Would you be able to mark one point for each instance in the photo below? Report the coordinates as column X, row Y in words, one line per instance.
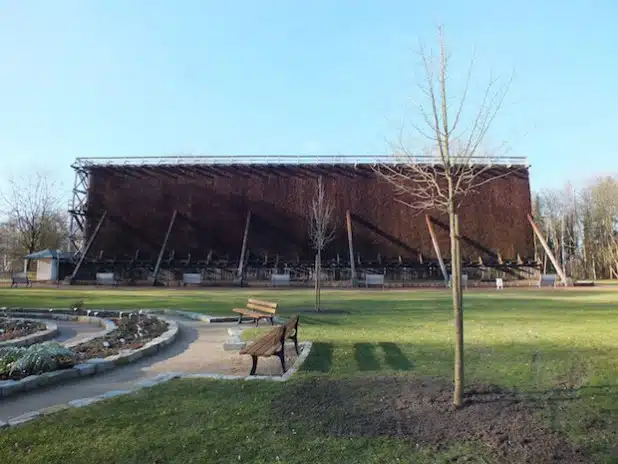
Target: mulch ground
column 503, row 422
column 12, row 328
column 132, row 333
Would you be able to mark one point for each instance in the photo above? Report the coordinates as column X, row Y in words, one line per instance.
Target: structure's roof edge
column 288, row 160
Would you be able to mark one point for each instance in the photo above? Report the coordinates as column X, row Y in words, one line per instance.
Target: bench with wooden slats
column 273, row 343
column 257, row 309
column 291, row 331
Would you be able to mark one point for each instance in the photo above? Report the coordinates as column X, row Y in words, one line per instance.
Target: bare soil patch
column 14, row 328
column 420, row 410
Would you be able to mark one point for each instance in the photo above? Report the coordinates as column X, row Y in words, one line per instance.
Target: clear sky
column 137, row 78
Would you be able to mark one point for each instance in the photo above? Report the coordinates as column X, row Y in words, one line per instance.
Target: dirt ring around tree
column 504, row 423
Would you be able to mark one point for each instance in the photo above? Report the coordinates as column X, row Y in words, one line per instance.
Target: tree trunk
column 317, row 281
column 457, row 308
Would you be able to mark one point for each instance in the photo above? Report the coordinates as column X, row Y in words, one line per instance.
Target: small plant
column 77, row 305
column 43, row 357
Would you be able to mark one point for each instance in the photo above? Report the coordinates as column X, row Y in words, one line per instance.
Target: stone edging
column 37, row 337
column 106, row 324
column 91, row 366
column 161, row 378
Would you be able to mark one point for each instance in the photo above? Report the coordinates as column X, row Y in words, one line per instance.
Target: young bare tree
column 34, row 215
column 437, row 174
column 321, row 231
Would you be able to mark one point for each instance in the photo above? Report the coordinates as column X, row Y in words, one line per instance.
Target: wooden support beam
column 88, row 246
column 436, row 247
column 500, row 260
column 548, row 252
column 160, row 258
column 348, row 221
column 241, row 262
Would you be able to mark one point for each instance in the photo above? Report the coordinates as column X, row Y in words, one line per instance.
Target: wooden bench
column 20, row 278
column 374, row 279
column 257, row 309
column 106, row 278
column 191, row 278
column 547, row 280
column 280, row 279
column 273, row 343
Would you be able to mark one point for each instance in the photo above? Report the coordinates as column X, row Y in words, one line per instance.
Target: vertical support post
column 436, row 247
column 160, row 258
column 548, row 252
column 348, row 221
column 241, row 262
column 88, row 246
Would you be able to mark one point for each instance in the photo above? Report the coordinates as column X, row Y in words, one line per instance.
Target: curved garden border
column 37, row 337
column 91, row 366
column 161, row 378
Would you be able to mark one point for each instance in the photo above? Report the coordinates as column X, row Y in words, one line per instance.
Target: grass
column 531, row 340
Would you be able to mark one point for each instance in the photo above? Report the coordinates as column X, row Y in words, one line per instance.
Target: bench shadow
column 365, row 356
column 320, row 359
column 394, row 357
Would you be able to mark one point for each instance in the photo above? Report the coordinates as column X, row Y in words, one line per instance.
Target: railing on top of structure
column 86, row 162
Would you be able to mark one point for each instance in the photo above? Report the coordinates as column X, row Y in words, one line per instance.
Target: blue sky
column 137, row 78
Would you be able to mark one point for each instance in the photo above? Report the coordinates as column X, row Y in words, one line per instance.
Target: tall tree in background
column 438, row 173
column 35, row 219
column 321, row 231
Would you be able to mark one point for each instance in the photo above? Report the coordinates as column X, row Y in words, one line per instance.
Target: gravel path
column 198, row 349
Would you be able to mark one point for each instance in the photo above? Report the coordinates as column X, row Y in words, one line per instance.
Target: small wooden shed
column 48, row 263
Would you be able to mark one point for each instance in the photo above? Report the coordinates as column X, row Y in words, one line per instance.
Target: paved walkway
column 198, row 348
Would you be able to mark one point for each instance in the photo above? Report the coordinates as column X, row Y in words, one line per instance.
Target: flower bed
column 16, row 328
column 131, row 333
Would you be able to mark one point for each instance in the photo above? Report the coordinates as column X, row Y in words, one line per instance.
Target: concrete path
column 198, row 348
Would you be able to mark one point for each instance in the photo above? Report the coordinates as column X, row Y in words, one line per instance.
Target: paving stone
column 24, row 418
column 85, row 401
column 85, row 369
column 31, row 382
column 53, row 409
column 234, row 346
column 114, row 393
column 59, row 376
column 205, row 375
column 101, row 365
column 10, row 387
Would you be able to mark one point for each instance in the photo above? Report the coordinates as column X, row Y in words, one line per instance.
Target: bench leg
column 272, row 320
column 281, row 355
column 295, row 340
column 239, row 319
column 254, row 367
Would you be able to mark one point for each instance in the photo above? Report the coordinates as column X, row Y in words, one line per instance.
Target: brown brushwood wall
column 212, row 204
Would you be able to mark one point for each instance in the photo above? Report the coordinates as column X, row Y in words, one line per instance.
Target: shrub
column 42, row 357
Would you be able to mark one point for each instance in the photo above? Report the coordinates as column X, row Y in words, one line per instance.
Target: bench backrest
column 265, row 344
column 20, row 277
column 282, row 279
column 548, row 280
column 105, row 277
column 264, row 306
column 191, row 278
column 374, row 279
column 291, row 326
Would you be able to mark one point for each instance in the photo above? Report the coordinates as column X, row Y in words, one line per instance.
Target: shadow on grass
column 365, row 356
column 321, row 358
column 394, row 357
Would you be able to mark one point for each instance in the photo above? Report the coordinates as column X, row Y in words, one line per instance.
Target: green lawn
column 530, row 340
